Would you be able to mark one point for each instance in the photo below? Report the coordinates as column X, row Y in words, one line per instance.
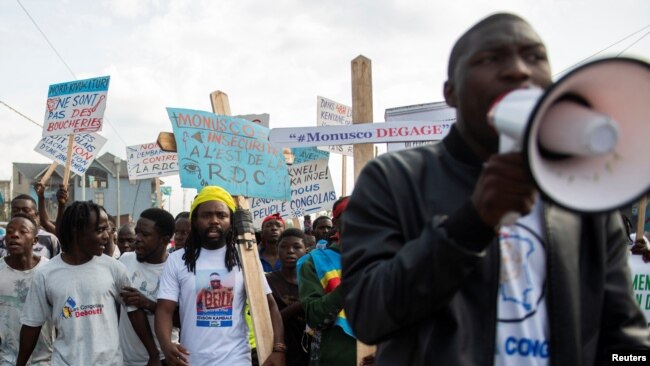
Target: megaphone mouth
column 614, row 172
column 555, row 155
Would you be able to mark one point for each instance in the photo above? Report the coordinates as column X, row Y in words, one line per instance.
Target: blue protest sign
column 229, row 152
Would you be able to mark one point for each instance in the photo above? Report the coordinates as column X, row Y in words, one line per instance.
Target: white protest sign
column 149, row 161
column 261, row 119
column 438, row 112
column 76, row 106
column 331, row 113
column 640, row 283
column 359, row 134
column 84, row 150
column 312, row 191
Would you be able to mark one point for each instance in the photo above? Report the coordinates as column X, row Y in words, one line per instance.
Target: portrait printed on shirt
column 214, row 298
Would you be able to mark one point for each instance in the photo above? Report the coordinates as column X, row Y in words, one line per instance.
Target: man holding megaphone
column 432, row 275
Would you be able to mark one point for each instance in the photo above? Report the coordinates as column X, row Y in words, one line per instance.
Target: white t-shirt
column 145, row 277
column 213, row 327
column 80, row 300
column 522, row 320
column 14, row 285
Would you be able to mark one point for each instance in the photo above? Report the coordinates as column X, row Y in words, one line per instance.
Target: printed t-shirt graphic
column 522, row 328
column 214, row 299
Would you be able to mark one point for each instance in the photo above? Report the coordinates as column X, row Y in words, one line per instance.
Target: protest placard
column 432, row 112
column 331, row 113
column 312, row 189
column 149, row 161
column 76, row 106
column 262, row 119
column 640, row 283
column 84, row 150
column 359, row 133
column 229, row 152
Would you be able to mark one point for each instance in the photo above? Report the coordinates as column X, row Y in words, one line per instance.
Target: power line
column 66, row 65
column 608, row 47
column 20, row 114
column 47, row 40
column 633, row 43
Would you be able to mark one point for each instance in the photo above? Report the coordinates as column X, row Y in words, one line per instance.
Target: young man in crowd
column 144, row 266
column 431, row 275
column 214, row 332
column 77, row 291
column 284, row 284
column 319, row 274
column 16, row 272
column 182, row 230
column 126, row 237
column 321, row 228
column 272, row 227
column 111, row 248
column 48, row 244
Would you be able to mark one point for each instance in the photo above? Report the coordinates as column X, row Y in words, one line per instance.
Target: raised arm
column 44, row 218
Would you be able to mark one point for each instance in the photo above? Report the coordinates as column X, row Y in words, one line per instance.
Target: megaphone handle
column 510, row 218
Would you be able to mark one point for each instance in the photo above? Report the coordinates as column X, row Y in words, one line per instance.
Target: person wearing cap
column 206, row 281
column 319, row 277
column 272, row 228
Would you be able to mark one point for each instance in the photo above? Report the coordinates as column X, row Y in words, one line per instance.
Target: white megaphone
column 586, row 138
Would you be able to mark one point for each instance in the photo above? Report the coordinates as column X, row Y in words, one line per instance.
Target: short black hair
column 319, row 219
column 292, row 231
column 28, row 218
column 163, row 220
column 24, row 197
column 460, row 47
column 182, row 215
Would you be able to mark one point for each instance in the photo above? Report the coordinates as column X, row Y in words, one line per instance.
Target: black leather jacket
column 426, row 299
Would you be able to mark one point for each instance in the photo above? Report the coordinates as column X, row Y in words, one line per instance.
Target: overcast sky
column 269, row 56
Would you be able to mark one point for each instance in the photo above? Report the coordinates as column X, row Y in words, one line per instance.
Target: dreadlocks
column 76, row 218
column 193, row 245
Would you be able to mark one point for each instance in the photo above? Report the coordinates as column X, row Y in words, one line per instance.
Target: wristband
column 280, row 347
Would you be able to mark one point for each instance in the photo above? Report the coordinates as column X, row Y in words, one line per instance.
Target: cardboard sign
column 331, row 113
column 76, row 106
column 229, row 152
column 438, row 112
column 149, row 161
column 640, row 272
column 312, row 191
column 359, row 134
column 84, row 150
column 261, row 119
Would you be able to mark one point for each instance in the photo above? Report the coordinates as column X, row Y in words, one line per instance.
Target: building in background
column 5, row 200
column 100, row 184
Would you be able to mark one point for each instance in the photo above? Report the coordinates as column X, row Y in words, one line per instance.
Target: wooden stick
column 167, row 141
column 158, row 193
column 251, row 264
column 640, row 222
column 48, row 173
column 361, row 107
column 68, row 160
column 344, row 171
column 362, row 113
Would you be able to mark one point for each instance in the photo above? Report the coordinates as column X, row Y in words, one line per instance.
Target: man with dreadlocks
column 78, row 291
column 206, row 281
